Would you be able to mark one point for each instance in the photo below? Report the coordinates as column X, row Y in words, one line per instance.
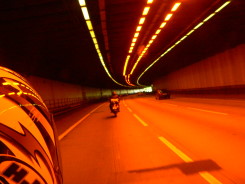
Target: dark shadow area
column 186, row 168
column 110, row 117
column 3, row 181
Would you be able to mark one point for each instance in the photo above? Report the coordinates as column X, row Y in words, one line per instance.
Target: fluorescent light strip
column 85, row 13
column 224, row 5
column 92, row 34
column 168, row 16
column 188, row 34
column 146, row 10
column 89, row 24
column 175, row 7
column 126, row 64
column 158, row 31
column 149, row 1
column 162, row 25
column 138, row 28
column 82, row 3
column 137, row 33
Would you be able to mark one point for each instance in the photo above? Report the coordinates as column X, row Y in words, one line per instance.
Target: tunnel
column 178, row 68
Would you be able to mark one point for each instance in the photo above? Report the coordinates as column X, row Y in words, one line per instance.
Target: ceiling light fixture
column 142, row 20
column 163, row 24
column 134, row 40
column 158, row 31
column 149, row 1
column 175, row 7
column 89, row 24
column 93, row 36
column 184, row 37
column 168, row 17
column 125, row 66
column 82, row 3
column 146, row 10
column 85, row 13
column 154, row 37
column 137, row 33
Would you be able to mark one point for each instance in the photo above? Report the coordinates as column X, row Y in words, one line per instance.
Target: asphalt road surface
column 173, row 141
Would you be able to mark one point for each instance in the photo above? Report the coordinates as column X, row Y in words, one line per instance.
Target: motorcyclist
column 114, row 96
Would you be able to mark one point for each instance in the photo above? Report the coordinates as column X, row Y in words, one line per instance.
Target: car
column 162, row 94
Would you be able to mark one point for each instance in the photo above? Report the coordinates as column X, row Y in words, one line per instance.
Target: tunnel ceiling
column 51, row 39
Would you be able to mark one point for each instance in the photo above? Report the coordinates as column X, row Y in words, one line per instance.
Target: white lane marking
column 176, row 150
column 130, row 110
column 204, row 110
column 209, row 178
column 140, row 120
column 77, row 123
column 205, row 175
column 137, row 117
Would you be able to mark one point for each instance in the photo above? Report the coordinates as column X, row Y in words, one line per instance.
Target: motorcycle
column 114, row 104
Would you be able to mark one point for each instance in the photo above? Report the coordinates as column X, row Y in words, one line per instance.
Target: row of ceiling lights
column 184, row 37
column 137, row 33
column 154, row 36
column 92, row 34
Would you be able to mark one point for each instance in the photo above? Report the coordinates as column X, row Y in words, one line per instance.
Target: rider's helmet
column 28, row 141
column 114, row 93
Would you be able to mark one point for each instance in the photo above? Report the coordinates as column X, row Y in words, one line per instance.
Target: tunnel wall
column 59, row 96
column 223, row 73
